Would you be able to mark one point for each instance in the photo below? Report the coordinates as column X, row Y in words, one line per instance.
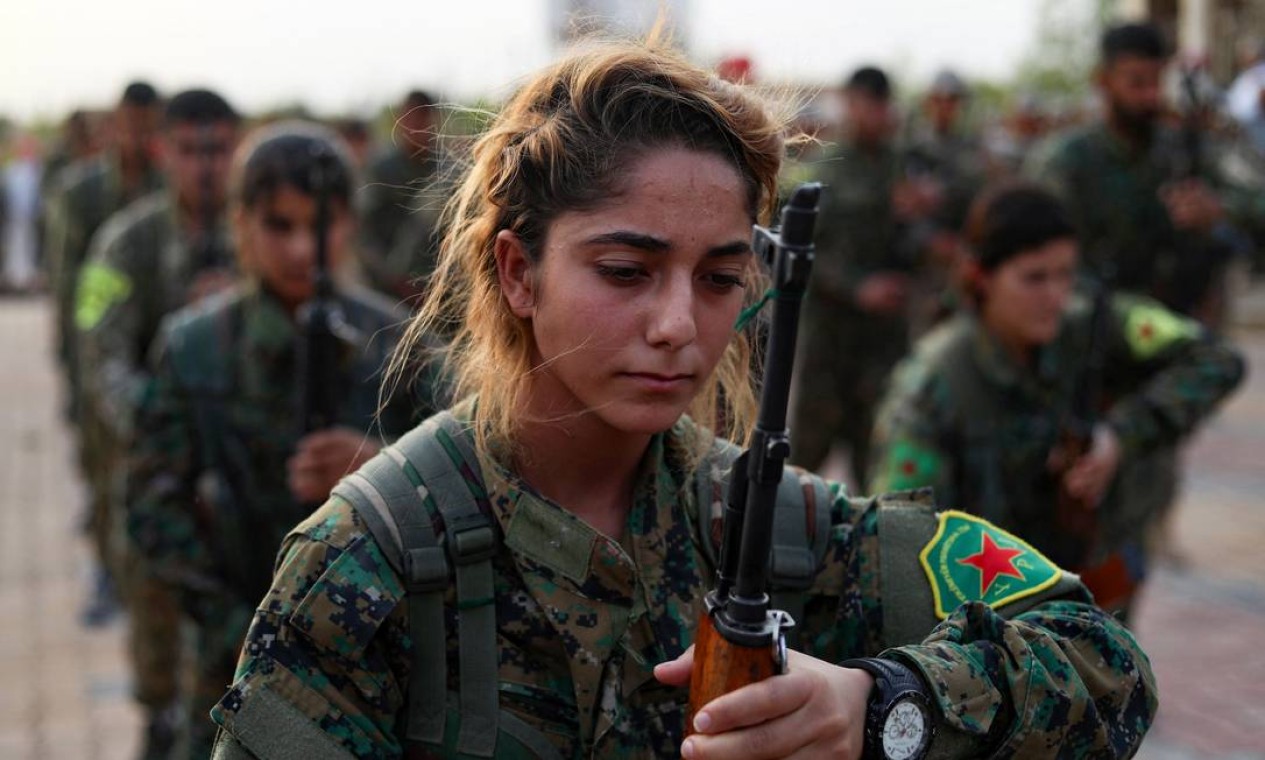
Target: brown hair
column 560, row 145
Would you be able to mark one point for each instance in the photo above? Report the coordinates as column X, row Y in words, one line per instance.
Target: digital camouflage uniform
column 1112, row 191
column 140, row 268
column 208, row 499
column 83, row 197
column 399, row 209
column 964, row 418
column 957, row 163
column 581, row 620
column 845, row 353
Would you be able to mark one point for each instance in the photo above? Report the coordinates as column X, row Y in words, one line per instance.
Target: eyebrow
column 652, row 244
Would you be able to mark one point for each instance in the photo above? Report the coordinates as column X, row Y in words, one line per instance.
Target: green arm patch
column 909, row 465
column 970, row 559
column 1149, row 329
column 100, row 287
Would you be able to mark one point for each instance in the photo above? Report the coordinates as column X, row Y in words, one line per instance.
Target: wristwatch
column 898, row 720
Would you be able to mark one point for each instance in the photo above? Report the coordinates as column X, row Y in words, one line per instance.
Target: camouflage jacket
column 207, row 501
column 963, row 417
column 140, row 268
column 1113, row 193
column 81, row 198
column 399, row 212
column 582, row 619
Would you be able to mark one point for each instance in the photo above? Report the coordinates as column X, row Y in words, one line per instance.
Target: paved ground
column 64, row 690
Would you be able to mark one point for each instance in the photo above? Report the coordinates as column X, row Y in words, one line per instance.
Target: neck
column 1020, row 351
column 1136, row 135
column 575, row 459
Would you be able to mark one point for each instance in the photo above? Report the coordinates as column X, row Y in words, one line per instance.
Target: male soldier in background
column 162, row 252
column 940, row 153
column 855, row 324
column 1147, row 220
column 81, row 198
column 397, row 215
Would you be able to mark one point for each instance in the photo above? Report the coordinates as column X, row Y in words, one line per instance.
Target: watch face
column 905, row 732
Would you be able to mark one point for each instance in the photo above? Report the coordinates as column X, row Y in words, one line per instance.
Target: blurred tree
column 1063, row 56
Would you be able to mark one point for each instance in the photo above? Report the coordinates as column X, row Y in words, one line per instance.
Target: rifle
column 1198, row 256
column 321, row 317
column 741, row 639
column 1075, row 517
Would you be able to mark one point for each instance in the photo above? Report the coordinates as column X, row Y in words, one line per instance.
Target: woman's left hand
column 815, row 710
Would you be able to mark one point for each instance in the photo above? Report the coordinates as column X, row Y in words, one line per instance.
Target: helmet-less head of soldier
column 200, row 131
column 598, row 252
column 1129, row 78
column 867, row 103
column 1023, row 265
column 134, row 123
column 277, row 180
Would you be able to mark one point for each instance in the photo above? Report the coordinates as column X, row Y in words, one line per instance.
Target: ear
column 974, row 280
column 514, row 271
column 1100, row 76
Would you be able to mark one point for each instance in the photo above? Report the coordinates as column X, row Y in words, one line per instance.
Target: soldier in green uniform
column 222, row 468
column 940, row 151
column 855, row 322
column 1148, row 217
column 978, row 411
column 504, row 579
column 398, row 209
column 163, row 251
column 81, row 198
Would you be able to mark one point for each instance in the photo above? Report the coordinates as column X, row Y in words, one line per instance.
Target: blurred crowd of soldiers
column 1164, row 189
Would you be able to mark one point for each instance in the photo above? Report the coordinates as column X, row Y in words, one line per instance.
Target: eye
column 724, row 281
column 623, row 275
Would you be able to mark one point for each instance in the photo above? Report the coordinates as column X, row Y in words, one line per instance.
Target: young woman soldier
column 982, row 408
column 223, row 466
column 599, row 252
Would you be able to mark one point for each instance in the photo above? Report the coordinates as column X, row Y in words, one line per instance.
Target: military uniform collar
column 999, row 366
column 269, row 326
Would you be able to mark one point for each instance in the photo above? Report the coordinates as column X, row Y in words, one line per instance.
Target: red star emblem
column 992, row 561
column 908, row 467
column 1146, row 331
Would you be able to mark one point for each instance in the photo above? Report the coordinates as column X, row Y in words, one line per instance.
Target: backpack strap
column 394, row 512
column 906, row 523
column 444, row 460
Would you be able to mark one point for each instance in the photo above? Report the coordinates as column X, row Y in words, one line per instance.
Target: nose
column 671, row 320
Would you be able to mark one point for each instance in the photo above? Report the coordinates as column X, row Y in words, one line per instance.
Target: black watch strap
column 890, row 677
column 892, row 681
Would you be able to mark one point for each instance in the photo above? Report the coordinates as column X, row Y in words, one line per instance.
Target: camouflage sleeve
column 162, row 468
column 1188, row 372
column 322, row 667
column 108, row 317
column 1021, row 664
column 908, row 448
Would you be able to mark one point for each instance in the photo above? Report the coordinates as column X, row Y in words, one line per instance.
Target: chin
column 641, row 418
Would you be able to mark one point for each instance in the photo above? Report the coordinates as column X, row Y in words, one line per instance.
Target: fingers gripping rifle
column 741, row 639
column 321, row 318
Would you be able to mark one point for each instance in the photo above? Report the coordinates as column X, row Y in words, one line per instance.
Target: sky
column 342, row 57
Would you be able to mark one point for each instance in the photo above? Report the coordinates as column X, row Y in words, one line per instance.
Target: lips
column 657, row 381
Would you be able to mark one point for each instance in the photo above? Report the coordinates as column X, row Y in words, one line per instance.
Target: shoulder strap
column 394, row 512
column 450, row 471
column 906, row 523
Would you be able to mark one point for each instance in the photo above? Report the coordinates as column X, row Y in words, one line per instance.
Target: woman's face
column 1024, row 297
column 278, row 242
column 632, row 304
